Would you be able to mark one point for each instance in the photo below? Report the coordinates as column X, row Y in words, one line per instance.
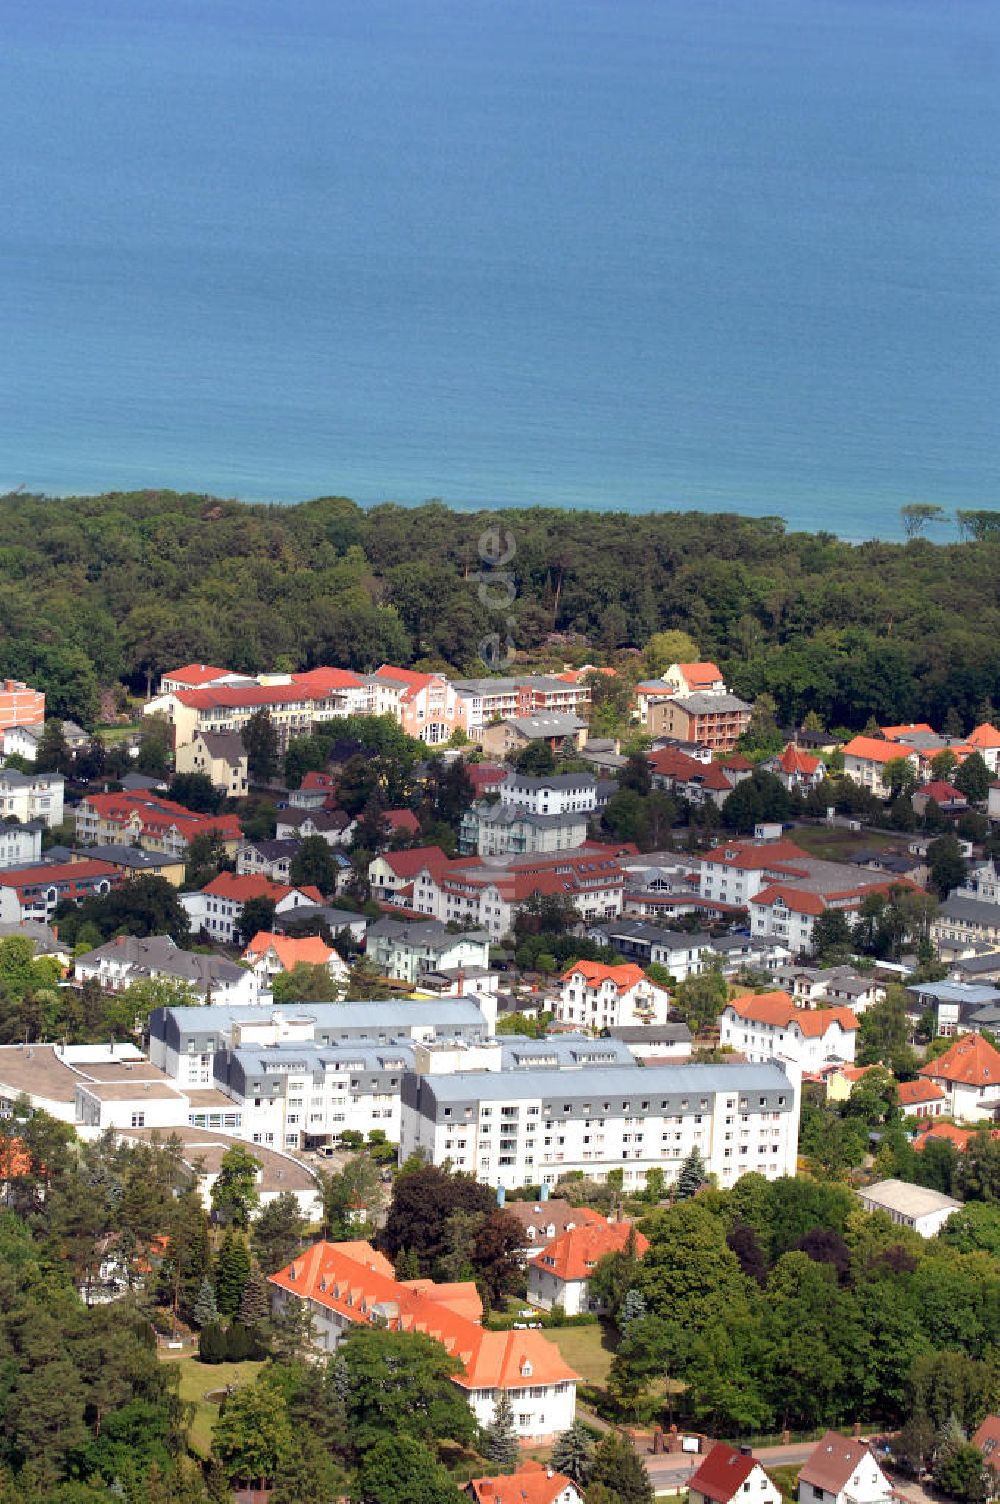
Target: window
column 138, row 1120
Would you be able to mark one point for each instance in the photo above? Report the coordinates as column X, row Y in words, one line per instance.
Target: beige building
column 707, row 719
column 221, row 756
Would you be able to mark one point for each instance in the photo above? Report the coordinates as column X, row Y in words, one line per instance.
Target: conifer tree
column 255, row 1305
column 232, row 1268
column 573, row 1454
column 500, row 1444
column 691, row 1177
column 205, row 1308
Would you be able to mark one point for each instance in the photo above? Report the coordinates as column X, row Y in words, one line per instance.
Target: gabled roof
column 737, row 763
column 913, row 728
column 796, row 899
column 942, row 793
column 309, row 951
column 401, row 819
column 55, row 872
column 697, row 675
column 833, row 1463
column 241, row 889
column 722, row 1473
column 533, row 1483
column 778, row 1010
column 984, row 736
column 314, row 780
column 915, row 1093
column 555, row 1213
column 574, row 1254
column 987, row 1439
column 595, row 974
column 407, row 864
column 971, row 1061
column 196, row 674
column 873, row 749
column 794, row 760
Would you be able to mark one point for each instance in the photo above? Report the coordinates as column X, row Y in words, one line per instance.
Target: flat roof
column 131, row 1091
column 280, row 1173
column 906, row 1199
column 648, row 1080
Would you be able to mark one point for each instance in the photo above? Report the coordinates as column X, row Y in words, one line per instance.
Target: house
column 334, row 825
column 908, row 1205
column 31, row 796
column 314, row 792
column 681, row 952
column 127, row 959
column 392, row 873
column 697, row 779
column 956, row 1004
column 427, row 706
column 492, row 829
column 797, row 770
column 532, row 1483
column 34, row 893
column 20, row 844
column 843, row 1470
column 218, row 908
column 647, row 693
column 768, row 1025
column 947, row 1133
column 986, row 741
column 268, row 955
column 655, row 1042
column 21, row 741
column 922, row 1099
column 559, row 1275
column 866, row 758
column 961, row 921
column 944, row 795
column 130, row 861
column 695, row 678
column 987, row 1439
column 271, row 859
column 543, row 1221
column 551, row 793
column 727, row 1474
column 219, row 756
column 408, row 949
column 705, row 719
column 561, row 734
column 969, row 1072
column 596, row 996
column 401, row 822
column 349, row 1283
column 155, row 824
column 20, row 705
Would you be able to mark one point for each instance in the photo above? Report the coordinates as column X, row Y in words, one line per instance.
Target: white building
column 969, row 1073
column 20, row 844
column 595, row 996
column 683, row 954
column 493, row 829
column 769, row 1026
column 127, row 959
column 550, row 794
column 843, row 1470
column 727, row 1474
column 908, row 1205
column 408, row 949
column 218, row 908
column 32, row 796
column 560, row 1274
column 534, row 1127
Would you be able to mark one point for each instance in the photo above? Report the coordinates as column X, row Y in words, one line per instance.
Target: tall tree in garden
column 205, row 1309
column 379, row 1366
column 252, row 1437
column 972, row 778
column 573, row 1454
column 232, row 1269
column 947, row 865
column 255, row 1304
column 257, row 914
column 234, row 1191
column 399, row 1470
column 500, row 1445
column 279, row 1233
column 617, row 1468
column 692, row 1176
column 497, row 1257
column 260, row 740
column 313, row 865
column 53, row 755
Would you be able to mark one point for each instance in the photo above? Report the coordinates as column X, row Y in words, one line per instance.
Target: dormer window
column 526, row 1369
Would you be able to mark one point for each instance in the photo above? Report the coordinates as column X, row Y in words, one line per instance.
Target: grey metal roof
column 517, row 814
column 225, row 744
column 650, row 1080
column 955, row 992
column 909, row 1200
column 272, row 850
column 431, row 934
column 563, row 1051
column 535, row 783
column 159, row 953
column 374, row 1015
column 259, row 1058
column 653, row 1033
column 973, row 910
column 533, row 726
column 16, row 780
column 710, row 704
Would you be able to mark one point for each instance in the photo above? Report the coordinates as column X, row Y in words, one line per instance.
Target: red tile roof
column 409, row 863
column 778, row 1010
column 697, row 675
column 737, row 763
column 796, row 899
column 574, row 1254
column 722, row 1473
column 157, row 815
column 971, row 1061
column 311, row 950
column 987, row 1439
column 56, row 872
column 352, row 1279
column 533, row 1483
column 319, row 781
column 240, row 889
column 943, row 1133
column 942, row 793
column 194, row 674
column 325, row 679
column 402, row 819
column 751, row 856
column 595, row 974
column 915, row 1093
column 235, row 697
column 984, row 736
column 793, row 760
column 833, row 1463
column 872, row 749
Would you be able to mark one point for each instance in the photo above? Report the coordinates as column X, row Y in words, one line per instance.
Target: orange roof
column 871, row 749
column 941, row 793
column 401, row 819
column 595, row 974
column 794, row 761
column 971, row 1061
column 854, row 1073
column 796, row 899
column 324, row 679
column 309, row 951
column 358, row 1283
column 319, row 781
column 56, row 872
column 777, row 1009
column 987, row 1439
column 737, row 763
column 413, row 681
column 240, row 889
column 915, row 728
column 533, row 1483
column 944, row 1133
column 700, row 673
column 193, row 674
column 409, row 863
column 750, row 856
column 913, row 1093
column 574, row 1254
column 984, row 736
column 157, row 815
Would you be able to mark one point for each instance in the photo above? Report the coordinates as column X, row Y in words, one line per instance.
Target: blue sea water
column 628, row 253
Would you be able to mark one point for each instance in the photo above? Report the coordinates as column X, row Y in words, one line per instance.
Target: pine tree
column 232, row 1269
column 255, row 1305
column 205, row 1308
column 691, row 1177
column 500, row 1444
column 633, row 1306
column 617, row 1467
column 213, row 1345
column 573, row 1454
column 407, row 1264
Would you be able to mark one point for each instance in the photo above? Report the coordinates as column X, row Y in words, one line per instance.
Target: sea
column 622, row 254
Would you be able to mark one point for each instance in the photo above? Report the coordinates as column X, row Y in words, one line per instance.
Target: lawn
column 787, row 1479
column 197, row 1377
column 587, row 1349
column 833, row 844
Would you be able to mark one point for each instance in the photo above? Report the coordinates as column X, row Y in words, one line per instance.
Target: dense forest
column 97, row 590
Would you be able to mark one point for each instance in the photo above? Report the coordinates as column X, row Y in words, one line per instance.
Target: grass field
column 197, row 1377
column 787, row 1479
column 832, row 844
column 587, row 1350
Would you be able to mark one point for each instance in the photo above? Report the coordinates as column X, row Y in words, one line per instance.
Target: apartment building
column 20, row 844
column 491, row 829
column 426, row 706
column 219, row 756
column 767, row 1026
column 533, row 1127
column 682, row 953
column 32, row 796
column 409, row 949
column 552, row 794
column 128, row 958
column 595, row 996
column 295, row 703
column 20, row 705
column 489, row 700
column 34, row 893
column 706, row 719
column 146, row 820
column 218, row 908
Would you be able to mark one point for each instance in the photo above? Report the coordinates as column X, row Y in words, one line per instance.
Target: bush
column 213, row 1343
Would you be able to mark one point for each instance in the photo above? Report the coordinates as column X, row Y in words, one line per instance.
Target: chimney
column 745, row 1451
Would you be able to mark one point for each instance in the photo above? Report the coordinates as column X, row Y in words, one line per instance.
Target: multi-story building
column 127, row 959
column 32, row 796
column 34, row 893
column 295, row 703
column 560, row 1274
column 426, row 706
column 20, row 844
column 866, row 759
column 767, row 1026
column 20, row 705
column 843, row 1470
column 408, row 949
column 708, row 719
column 969, row 1072
column 695, row 678
column 269, row 955
column 681, row 952
column 595, row 996
column 220, row 756
column 270, row 859
column 561, row 732
column 551, row 794
column 491, row 829
column 146, row 820
column 533, row 1127
column 347, row 1283
column 489, row 700
column 218, row 908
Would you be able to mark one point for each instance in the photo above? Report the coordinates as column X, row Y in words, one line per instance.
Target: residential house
column 695, row 678
column 649, row 692
column 560, row 733
column 961, row 921
column 655, row 1042
column 730, row 1475
column 34, row 893
column 316, row 791
column 930, row 1132
column 198, row 676
column 680, row 951
column 348, row 1283
column 560, row 1275
column 955, row 1004
column 400, row 822
column 908, row 1205
column 31, row 796
column 544, row 1220
column 20, row 844
column 551, row 793
column 986, row 741
column 218, row 908
column 987, row 1438
column 128, row 958
column 219, row 756
column 596, row 996
column 768, row 1026
column 271, row 859
column 334, row 825
column 797, row 770
column 866, row 758
column 970, row 1074
column 409, row 949
column 269, row 955
column 21, row 741
column 706, row 719
column 922, row 1099
column 531, row 1483
column 151, row 822
column 947, row 798
column 843, row 1470
column 130, row 861
column 492, row 829
column 697, row 779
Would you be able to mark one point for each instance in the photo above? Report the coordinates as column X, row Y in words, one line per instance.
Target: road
column 673, row 1469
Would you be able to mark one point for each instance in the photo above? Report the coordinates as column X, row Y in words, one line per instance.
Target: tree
column 617, row 1468
column 377, row 1366
column 306, row 1475
column 534, row 759
column 313, row 865
column 143, row 905
column 279, row 1233
column 500, row 1445
column 399, row 1470
column 260, row 741
column 53, row 755
column 355, row 1186
column 700, row 999
column 884, row 1034
column 636, row 774
column 960, row 1472
column 196, row 791
column 918, row 516
column 422, row 1201
column 972, row 778
column 256, row 915
column 692, row 1176
column 573, row 1454
column 666, row 648
column 232, row 1269
column 234, row 1191
column 213, row 1346
column 943, row 764
column 760, row 798
column 205, row 1309
column 899, row 776
column 307, row 982
column 255, row 1304
column 252, row 1437
column 206, row 858
column 979, row 1168
column 496, row 1255
column 946, row 864
column 831, row 936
